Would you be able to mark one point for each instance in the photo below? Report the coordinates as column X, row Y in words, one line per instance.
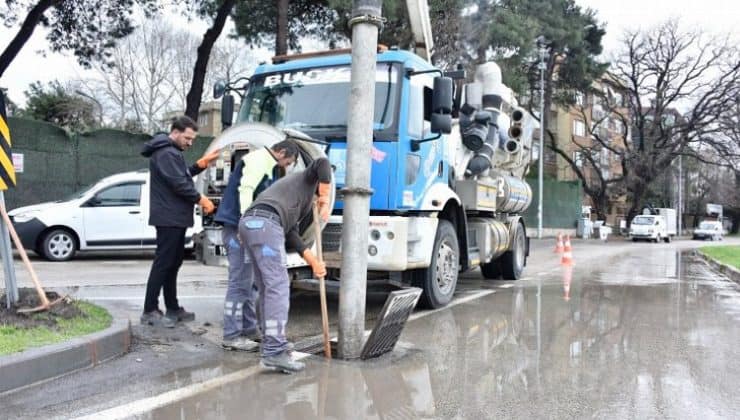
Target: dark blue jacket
column 228, row 212
column 171, row 189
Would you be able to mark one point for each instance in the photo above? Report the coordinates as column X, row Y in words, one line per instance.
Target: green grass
column 13, row 339
column 729, row 255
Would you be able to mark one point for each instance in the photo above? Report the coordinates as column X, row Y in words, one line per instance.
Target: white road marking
column 106, row 298
column 456, row 302
column 506, row 286
column 146, row 405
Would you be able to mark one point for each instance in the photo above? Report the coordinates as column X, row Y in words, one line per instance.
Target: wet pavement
column 650, row 335
column 646, row 332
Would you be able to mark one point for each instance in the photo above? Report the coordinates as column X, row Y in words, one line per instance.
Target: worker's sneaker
column 240, row 343
column 153, row 318
column 180, row 314
column 282, row 363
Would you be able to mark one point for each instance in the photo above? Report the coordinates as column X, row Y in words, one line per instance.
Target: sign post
column 7, row 180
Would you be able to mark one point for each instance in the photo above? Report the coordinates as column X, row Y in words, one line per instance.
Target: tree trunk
column 281, row 35
column 29, row 24
column 201, row 63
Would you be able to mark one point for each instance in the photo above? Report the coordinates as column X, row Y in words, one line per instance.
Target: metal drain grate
column 390, row 322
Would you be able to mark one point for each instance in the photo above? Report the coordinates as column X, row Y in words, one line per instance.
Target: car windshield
column 643, row 220
column 316, row 99
column 707, row 225
column 77, row 194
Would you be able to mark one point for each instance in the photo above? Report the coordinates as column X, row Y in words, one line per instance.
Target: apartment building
column 586, row 131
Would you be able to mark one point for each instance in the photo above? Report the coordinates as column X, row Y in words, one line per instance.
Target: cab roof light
column 278, row 59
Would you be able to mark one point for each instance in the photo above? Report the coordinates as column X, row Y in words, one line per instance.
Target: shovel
column 45, row 304
column 322, row 284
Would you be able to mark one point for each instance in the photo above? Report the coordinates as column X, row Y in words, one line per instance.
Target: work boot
column 240, row 343
column 180, row 314
column 282, row 362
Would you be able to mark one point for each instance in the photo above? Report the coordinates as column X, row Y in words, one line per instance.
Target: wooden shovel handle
column 322, row 284
column 24, row 257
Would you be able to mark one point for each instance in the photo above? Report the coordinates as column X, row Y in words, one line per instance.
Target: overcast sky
column 721, row 16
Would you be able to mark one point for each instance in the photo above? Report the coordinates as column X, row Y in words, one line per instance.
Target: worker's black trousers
column 167, row 262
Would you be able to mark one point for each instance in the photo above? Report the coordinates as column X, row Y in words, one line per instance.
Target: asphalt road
column 631, row 331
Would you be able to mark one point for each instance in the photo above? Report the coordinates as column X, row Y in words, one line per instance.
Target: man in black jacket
column 267, row 228
column 172, row 195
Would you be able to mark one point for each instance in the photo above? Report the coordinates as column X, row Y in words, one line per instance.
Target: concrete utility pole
column 365, row 23
column 541, row 164
column 680, row 195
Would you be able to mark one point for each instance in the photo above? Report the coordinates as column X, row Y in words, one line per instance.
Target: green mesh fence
column 57, row 163
column 561, row 204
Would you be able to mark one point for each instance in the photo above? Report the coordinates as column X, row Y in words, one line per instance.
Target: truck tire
column 58, row 245
column 492, row 269
column 439, row 280
column 513, row 262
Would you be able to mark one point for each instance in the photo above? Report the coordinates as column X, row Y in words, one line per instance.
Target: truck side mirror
column 219, row 88
column 441, row 118
column 441, row 123
column 227, row 110
column 442, row 96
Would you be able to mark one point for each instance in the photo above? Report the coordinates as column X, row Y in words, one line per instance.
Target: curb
column 731, row 272
column 49, row 362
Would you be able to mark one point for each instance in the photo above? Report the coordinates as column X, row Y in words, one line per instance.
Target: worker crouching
column 270, row 225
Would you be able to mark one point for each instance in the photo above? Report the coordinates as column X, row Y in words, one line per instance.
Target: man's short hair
column 182, row 123
column 289, row 147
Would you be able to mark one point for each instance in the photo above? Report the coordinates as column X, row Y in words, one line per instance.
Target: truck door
column 113, row 216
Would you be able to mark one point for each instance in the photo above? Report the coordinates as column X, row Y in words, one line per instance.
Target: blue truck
column 447, row 168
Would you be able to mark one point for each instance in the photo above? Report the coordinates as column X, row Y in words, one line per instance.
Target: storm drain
column 390, row 323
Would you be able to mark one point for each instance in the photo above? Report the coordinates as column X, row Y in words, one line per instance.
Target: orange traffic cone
column 567, row 276
column 567, row 258
column 559, row 244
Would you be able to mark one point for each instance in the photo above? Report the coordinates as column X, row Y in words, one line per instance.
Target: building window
column 578, row 159
column 202, row 120
column 579, row 128
column 580, row 98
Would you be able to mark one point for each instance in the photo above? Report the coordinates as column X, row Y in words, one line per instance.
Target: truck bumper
column 394, row 243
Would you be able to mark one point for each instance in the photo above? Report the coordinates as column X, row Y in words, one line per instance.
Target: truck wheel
column 58, row 245
column 438, row 282
column 513, row 262
column 667, row 239
column 491, row 270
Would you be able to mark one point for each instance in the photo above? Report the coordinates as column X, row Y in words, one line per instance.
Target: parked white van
column 112, row 214
column 649, row 227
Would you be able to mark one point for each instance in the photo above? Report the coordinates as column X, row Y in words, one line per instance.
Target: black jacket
column 172, row 192
column 292, row 198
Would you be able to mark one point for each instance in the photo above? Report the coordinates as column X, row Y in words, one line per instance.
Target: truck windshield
column 316, row 99
column 640, row 220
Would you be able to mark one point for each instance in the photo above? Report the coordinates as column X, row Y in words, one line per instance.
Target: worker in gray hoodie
column 268, row 227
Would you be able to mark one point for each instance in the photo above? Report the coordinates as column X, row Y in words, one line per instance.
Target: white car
column 709, row 229
column 112, row 214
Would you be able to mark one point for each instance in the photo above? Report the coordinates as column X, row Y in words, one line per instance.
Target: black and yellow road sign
column 7, row 171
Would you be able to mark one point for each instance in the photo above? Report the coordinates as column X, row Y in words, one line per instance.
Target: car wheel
column 59, row 245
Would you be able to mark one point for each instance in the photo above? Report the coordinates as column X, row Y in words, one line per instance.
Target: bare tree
column 664, row 70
